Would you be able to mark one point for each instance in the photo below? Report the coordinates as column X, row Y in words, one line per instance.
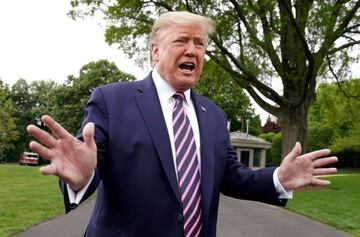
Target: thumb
column 48, row 170
column 88, row 134
column 296, row 151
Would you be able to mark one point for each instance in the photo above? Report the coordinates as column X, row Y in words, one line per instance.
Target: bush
column 273, row 155
column 348, row 159
column 319, row 137
column 347, row 149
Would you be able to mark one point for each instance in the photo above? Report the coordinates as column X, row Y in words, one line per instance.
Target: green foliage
column 8, row 132
column 347, row 148
column 334, row 121
column 319, row 137
column 71, row 97
column 273, row 155
column 217, row 85
column 31, row 101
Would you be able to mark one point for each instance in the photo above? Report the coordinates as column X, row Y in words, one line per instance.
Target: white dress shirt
column 165, row 93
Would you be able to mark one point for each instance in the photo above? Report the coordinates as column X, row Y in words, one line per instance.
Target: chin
column 188, row 83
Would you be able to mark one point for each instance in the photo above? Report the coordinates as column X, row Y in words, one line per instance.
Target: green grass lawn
column 339, row 205
column 26, row 198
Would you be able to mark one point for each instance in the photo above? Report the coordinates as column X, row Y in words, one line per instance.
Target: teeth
column 187, row 66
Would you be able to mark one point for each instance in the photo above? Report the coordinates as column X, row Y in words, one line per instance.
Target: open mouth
column 187, row 66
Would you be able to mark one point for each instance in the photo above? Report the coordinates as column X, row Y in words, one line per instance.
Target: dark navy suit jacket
column 138, row 193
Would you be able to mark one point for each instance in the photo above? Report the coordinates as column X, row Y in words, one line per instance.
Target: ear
column 154, row 49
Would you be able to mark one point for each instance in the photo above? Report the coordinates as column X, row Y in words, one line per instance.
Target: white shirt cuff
column 279, row 188
column 76, row 197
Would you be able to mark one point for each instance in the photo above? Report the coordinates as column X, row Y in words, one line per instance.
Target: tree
column 8, row 132
column 31, row 101
column 71, row 97
column 270, row 126
column 217, row 85
column 43, row 96
column 20, row 94
column 258, row 43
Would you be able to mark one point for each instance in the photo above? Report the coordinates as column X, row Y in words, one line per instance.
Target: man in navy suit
column 128, row 148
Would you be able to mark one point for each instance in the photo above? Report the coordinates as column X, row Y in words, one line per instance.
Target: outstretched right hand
column 72, row 160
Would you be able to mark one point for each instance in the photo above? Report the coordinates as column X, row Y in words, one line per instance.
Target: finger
column 296, row 151
column 88, row 135
column 48, row 170
column 324, row 171
column 42, row 136
column 324, row 161
column 320, row 182
column 316, row 154
column 58, row 130
column 41, row 150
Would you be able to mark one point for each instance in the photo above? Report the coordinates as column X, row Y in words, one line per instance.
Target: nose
column 190, row 49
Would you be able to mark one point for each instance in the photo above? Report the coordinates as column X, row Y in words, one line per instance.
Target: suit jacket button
column 179, row 217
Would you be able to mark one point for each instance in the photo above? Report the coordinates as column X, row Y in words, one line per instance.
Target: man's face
column 178, row 55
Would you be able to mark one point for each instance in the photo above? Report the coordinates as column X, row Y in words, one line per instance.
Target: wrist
column 282, row 179
column 76, row 187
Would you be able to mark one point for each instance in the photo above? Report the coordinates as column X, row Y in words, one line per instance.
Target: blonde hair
column 181, row 18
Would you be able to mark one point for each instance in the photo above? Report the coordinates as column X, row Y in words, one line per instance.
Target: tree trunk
column 294, row 127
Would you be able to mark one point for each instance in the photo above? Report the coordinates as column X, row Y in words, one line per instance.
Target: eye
column 179, row 41
column 200, row 44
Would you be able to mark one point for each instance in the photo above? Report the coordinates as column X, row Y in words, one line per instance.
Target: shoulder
column 119, row 86
column 124, row 88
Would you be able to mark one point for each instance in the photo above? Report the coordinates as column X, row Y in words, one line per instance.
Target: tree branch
column 348, row 37
column 346, row 20
column 350, row 28
column 268, row 46
column 242, row 59
column 246, row 23
column 265, row 90
column 241, row 80
column 353, row 31
column 344, row 46
column 161, row 4
column 261, row 102
column 227, row 67
column 338, row 81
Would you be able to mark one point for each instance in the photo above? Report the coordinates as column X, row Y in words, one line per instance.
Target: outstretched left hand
column 298, row 170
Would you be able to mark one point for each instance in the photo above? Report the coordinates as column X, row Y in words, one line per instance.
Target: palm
column 300, row 170
column 72, row 160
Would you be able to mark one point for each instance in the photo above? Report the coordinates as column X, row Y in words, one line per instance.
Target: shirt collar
column 164, row 89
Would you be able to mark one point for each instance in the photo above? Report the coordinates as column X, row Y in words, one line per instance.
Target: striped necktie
column 187, row 168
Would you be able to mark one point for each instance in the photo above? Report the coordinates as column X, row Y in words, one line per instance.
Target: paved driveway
column 237, row 218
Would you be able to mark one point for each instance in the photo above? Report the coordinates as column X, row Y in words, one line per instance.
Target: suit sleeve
column 95, row 111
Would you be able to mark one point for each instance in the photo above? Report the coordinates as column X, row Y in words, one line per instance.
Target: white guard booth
column 250, row 150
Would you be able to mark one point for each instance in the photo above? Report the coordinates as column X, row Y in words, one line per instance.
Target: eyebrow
column 186, row 35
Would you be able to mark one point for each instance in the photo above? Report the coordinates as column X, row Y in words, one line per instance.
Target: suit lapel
column 207, row 156
column 149, row 106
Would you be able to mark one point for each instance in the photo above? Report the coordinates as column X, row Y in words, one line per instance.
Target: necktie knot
column 179, row 97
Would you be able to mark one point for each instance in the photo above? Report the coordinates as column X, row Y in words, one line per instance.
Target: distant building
column 250, row 150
